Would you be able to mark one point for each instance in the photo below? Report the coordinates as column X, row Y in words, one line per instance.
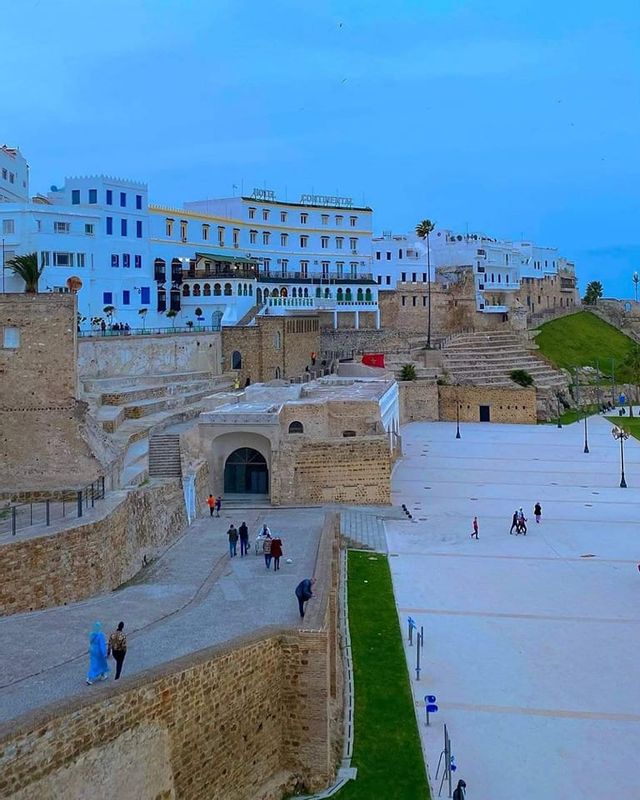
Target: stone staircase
column 486, row 359
column 164, row 456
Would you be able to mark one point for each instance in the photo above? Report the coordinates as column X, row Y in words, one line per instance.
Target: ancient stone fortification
column 363, row 341
column 418, row 401
column 126, row 356
column 43, row 429
column 505, row 404
column 250, row 720
column 86, row 559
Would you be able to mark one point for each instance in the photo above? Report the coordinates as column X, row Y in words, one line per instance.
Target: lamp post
column 586, row 437
column 621, row 435
column 636, row 280
column 457, row 415
column 558, row 402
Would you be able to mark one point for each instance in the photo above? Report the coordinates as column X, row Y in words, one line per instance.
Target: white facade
column 14, row 176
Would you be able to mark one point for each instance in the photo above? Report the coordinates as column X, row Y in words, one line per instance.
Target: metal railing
column 67, row 504
column 149, row 331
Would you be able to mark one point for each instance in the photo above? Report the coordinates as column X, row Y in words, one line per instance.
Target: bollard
column 14, row 521
column 430, row 706
column 79, row 504
column 412, row 625
column 422, row 636
column 47, row 510
column 418, row 648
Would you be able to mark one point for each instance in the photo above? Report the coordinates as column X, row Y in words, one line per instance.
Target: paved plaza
column 531, row 642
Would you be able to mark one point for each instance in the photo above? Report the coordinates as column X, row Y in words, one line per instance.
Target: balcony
column 316, row 279
column 496, row 286
column 320, row 304
column 240, row 274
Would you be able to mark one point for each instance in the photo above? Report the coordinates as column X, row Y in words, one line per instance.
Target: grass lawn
column 387, row 750
column 580, row 339
column 572, row 415
column 631, row 425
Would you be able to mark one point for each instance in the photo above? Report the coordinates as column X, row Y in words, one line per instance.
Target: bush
column 408, row 373
column 521, row 377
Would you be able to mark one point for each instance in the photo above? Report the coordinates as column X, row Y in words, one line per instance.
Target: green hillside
column 580, row 339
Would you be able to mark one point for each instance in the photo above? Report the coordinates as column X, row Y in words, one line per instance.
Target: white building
column 14, row 176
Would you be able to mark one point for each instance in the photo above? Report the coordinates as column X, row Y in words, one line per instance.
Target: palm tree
column 27, row 268
column 423, row 229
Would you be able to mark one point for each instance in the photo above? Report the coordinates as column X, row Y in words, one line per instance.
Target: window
column 139, row 201
column 12, row 177
column 63, row 259
column 414, row 300
column 424, row 277
column 236, row 237
column 145, row 295
column 253, row 236
column 10, row 338
column 126, row 297
column 61, row 227
column 126, row 260
column 183, row 228
column 340, row 268
column 325, row 269
column 75, row 197
column 388, row 280
column 339, row 219
column 413, row 277
column 44, row 258
column 4, row 173
column 93, row 196
column 353, row 243
column 353, row 221
column 404, row 300
column 8, row 226
column 265, row 237
column 266, row 265
column 265, row 214
column 205, row 232
column 339, row 242
column 283, row 216
column 304, row 269
column 424, row 302
column 348, row 434
column 284, row 238
column 324, row 242
column 107, row 298
column 404, row 277
column 220, row 236
column 304, row 241
column 379, row 279
column 109, row 197
column 304, row 218
column 377, row 255
column 123, row 199
column 354, row 269
column 139, row 228
column 296, row 427
column 277, row 339
column 80, row 259
column 123, row 227
column 168, row 227
column 400, row 254
column 89, row 228
column 236, row 360
column 137, row 260
column 388, row 255
column 325, row 219
column 115, row 260
column 252, row 213
column 284, row 264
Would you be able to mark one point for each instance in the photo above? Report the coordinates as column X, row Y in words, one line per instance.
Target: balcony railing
column 222, row 273
column 318, row 302
column 316, row 279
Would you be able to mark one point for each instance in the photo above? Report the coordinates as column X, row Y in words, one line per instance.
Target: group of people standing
column 100, row 649
column 271, row 545
column 519, row 521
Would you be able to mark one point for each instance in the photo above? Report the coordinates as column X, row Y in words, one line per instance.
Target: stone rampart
column 505, row 404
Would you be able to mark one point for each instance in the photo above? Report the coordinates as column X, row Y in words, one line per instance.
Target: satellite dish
column 74, row 284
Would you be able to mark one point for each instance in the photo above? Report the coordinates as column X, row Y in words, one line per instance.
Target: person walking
column 211, row 502
column 459, row 792
column 522, row 522
column 537, row 512
column 266, row 548
column 232, row 533
column 304, row 592
column 476, row 528
column 98, row 664
column 118, row 647
column 218, row 506
column 514, row 522
column 244, row 539
column 276, row 551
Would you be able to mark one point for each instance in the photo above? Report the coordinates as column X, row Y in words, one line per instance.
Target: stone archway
column 246, row 472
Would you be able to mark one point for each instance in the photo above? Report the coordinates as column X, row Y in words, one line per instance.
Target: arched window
column 239, row 290
column 236, row 360
column 318, row 291
column 277, row 340
column 327, row 293
column 360, row 296
column 347, row 295
column 227, row 290
column 348, row 434
column 306, row 292
column 206, row 290
column 186, row 290
column 339, row 295
column 217, row 290
column 294, row 292
column 283, row 292
column 367, row 295
column 266, row 293
column 258, row 295
column 250, row 290
column 296, row 427
column 196, row 290
column 277, row 373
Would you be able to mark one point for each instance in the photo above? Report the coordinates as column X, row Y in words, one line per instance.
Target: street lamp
column 621, row 435
column 636, row 280
column 558, row 402
column 457, row 415
column 586, row 438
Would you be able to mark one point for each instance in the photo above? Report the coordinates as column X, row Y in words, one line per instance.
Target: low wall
column 84, row 559
column 505, row 404
column 418, row 401
column 250, row 720
column 126, row 356
column 364, row 341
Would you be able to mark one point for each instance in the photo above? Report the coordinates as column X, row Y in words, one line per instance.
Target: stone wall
column 252, row 719
column 43, row 437
column 363, row 341
column 418, row 401
column 126, row 356
column 506, row 404
column 84, row 559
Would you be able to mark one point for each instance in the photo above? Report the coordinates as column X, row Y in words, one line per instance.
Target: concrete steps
column 164, row 456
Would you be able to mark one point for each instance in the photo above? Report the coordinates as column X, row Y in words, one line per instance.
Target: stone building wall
column 506, row 404
column 85, row 559
column 364, row 341
column 43, row 437
column 125, row 356
column 252, row 719
column 418, row 401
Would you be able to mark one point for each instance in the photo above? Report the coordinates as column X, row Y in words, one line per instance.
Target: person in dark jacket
column 514, row 521
column 276, row 551
column 537, row 512
column 232, row 533
column 459, row 792
column 244, row 539
column 304, row 592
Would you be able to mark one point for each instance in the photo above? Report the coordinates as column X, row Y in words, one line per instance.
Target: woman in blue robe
column 98, row 665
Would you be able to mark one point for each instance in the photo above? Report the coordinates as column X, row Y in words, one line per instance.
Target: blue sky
column 509, row 116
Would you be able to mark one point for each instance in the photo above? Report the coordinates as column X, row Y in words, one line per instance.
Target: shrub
column 521, row 377
column 408, row 372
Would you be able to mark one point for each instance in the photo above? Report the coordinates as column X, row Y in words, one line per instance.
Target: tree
column 631, row 364
column 424, row 229
column 109, row 311
column 521, row 377
column 172, row 314
column 408, row 372
column 143, row 313
column 27, row 268
column 593, row 292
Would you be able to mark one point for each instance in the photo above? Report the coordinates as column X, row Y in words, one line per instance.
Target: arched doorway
column 246, row 472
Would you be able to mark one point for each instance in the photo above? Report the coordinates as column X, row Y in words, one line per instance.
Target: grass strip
column 629, row 424
column 387, row 749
